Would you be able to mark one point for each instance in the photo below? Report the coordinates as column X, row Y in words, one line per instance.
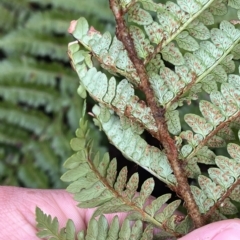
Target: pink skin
column 17, row 215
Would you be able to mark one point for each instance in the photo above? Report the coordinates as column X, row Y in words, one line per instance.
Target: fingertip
column 230, row 230
column 222, row 230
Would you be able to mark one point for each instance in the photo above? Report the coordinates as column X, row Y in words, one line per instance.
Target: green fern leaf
column 50, row 21
column 218, row 191
column 31, row 96
column 121, row 95
column 168, row 211
column 205, row 155
column 99, row 229
column 146, row 190
column 39, row 73
column 227, row 207
column 223, row 178
column 198, row 30
column 211, row 113
column 31, row 120
column 90, row 7
column 193, row 140
column 157, row 204
column 150, row 5
column 234, row 4
column 92, row 190
column 114, row 229
column 236, row 52
column 228, row 64
column 203, row 50
column 172, row 54
column 19, row 41
column 228, row 109
column 173, row 122
column 10, row 135
column 49, row 228
column 204, row 203
column 208, row 84
column 190, row 6
column 233, row 150
column 186, row 150
column 216, row 142
column 218, row 8
column 220, row 74
column 103, row 43
column 161, row 91
column 206, row 18
column 139, row 16
column 186, row 42
column 134, row 147
column 125, row 231
column 154, row 32
column 198, row 124
column 235, row 194
column 141, row 44
column 226, row 133
column 220, row 177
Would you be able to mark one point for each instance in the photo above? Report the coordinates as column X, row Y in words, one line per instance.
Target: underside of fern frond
column 95, row 183
column 174, row 53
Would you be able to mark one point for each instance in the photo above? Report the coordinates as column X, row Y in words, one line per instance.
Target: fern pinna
column 174, row 53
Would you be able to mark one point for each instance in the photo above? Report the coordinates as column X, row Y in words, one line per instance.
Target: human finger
column 17, row 211
column 222, row 230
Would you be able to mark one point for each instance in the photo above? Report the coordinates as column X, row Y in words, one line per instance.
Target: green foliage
column 98, row 229
column 39, row 107
column 175, row 53
column 50, row 227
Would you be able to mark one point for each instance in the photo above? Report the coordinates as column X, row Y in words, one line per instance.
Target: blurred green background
column 39, row 105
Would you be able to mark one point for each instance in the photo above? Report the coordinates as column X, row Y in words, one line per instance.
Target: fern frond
column 203, row 61
column 49, row 228
column 149, row 40
column 12, row 136
column 26, row 42
column 205, row 51
column 91, row 7
column 133, row 147
column 51, row 22
column 112, row 57
column 43, row 96
column 47, row 154
column 28, row 71
column 124, row 92
column 221, row 186
column 97, row 229
column 31, row 120
column 169, row 85
column 32, row 176
column 100, row 229
column 217, row 115
column 95, row 183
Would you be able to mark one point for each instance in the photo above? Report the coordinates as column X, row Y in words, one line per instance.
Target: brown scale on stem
column 182, row 188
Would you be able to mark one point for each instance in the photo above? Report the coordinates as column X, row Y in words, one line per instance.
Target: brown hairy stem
column 183, row 188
